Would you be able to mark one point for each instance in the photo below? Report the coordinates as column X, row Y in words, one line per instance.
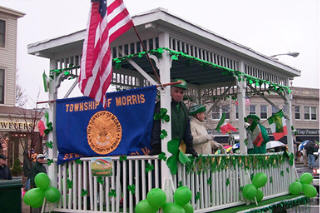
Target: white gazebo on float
column 215, row 68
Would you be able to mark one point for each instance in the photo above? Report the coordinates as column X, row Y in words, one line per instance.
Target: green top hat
column 182, row 85
column 196, row 109
column 253, row 117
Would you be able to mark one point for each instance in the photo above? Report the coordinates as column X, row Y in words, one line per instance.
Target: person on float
column 180, row 122
column 202, row 141
column 253, row 121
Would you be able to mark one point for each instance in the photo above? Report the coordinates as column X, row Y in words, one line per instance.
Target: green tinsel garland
column 175, row 56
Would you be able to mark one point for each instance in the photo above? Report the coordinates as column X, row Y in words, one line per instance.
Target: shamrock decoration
column 177, row 155
column 83, row 192
column 162, row 156
column 209, row 181
column 112, row 193
column 163, row 134
column 78, row 161
column 162, row 115
column 197, row 197
column 49, row 162
column 270, row 179
column 49, row 144
column 100, row 180
column 149, row 167
column 123, row 158
column 132, row 188
column 227, row 182
column 69, row 183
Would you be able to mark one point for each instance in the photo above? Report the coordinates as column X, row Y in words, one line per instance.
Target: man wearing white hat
column 37, row 167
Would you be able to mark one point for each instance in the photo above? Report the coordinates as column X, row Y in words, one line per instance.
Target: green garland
column 286, row 204
column 240, row 76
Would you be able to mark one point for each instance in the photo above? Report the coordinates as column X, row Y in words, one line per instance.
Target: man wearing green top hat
column 180, row 123
column 202, row 141
column 257, row 135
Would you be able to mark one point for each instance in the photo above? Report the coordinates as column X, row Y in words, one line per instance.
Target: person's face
column 250, row 121
column 41, row 160
column 177, row 94
column 200, row 116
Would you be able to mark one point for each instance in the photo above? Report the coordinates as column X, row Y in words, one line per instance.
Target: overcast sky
column 267, row 26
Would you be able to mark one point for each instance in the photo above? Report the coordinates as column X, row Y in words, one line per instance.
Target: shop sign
column 307, row 131
column 15, row 125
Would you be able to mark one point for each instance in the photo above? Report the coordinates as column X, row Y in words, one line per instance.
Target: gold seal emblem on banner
column 104, row 132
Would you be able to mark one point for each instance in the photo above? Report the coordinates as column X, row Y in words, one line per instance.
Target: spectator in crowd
column 4, row 169
column 202, row 141
column 37, row 167
column 310, row 148
column 180, row 123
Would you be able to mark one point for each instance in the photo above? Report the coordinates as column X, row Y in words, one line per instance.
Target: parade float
column 91, row 179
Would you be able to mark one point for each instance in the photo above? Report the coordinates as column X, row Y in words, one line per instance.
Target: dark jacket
column 310, row 148
column 36, row 168
column 180, row 127
column 5, row 172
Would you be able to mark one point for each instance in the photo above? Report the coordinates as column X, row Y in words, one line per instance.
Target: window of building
column 310, row 113
column 215, row 112
column 1, row 86
column 263, row 111
column 226, row 109
column 297, row 112
column 2, row 33
column 274, row 110
column 252, row 110
column 313, row 113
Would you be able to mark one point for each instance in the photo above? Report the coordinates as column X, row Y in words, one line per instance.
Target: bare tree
column 21, row 98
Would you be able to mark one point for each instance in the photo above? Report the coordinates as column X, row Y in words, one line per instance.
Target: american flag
column 108, row 19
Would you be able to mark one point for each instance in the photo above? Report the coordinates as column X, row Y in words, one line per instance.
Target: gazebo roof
column 161, row 20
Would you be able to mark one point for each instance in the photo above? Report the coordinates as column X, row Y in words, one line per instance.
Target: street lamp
column 293, row 54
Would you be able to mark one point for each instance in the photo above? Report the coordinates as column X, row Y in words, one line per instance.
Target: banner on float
column 85, row 129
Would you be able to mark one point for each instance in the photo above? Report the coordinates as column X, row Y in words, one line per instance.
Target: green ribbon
column 83, row 192
column 112, row 193
column 132, row 188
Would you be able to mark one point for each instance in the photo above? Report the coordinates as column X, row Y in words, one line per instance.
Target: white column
column 289, row 122
column 241, row 110
column 165, row 102
column 52, row 153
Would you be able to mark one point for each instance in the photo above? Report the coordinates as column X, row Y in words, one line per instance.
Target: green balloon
column 34, row 197
column 295, row 188
column 42, row 181
column 259, row 179
column 259, row 195
column 156, row 197
column 306, row 178
column 188, row 208
column 144, row 207
column 52, row 194
column 249, row 191
column 309, row 190
column 182, row 195
column 172, row 208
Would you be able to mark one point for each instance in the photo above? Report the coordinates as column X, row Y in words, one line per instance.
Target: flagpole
column 144, row 49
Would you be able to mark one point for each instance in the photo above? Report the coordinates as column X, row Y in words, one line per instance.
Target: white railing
column 82, row 192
